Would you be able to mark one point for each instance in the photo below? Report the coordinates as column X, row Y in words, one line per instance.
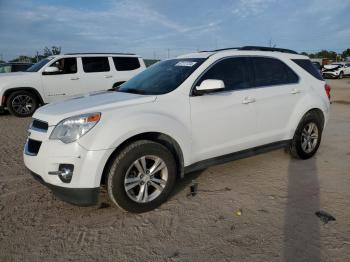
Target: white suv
column 58, row 77
column 175, row 117
column 336, row 70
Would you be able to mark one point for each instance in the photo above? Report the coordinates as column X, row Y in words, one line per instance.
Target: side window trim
column 250, row 74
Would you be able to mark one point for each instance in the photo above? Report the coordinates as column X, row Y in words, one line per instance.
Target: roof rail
column 264, row 48
column 256, row 48
column 92, row 53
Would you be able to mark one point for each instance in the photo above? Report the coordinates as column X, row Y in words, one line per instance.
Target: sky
column 162, row 28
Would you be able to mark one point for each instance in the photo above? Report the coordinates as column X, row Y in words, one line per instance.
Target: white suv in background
column 175, row 117
column 59, row 77
column 336, row 70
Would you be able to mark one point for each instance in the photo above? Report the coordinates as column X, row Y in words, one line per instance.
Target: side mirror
column 50, row 70
column 209, row 85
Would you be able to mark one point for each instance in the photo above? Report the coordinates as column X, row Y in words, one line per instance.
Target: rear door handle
column 107, row 76
column 248, row 100
column 295, row 91
column 74, row 78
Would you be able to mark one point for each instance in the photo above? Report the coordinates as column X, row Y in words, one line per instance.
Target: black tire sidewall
column 296, row 143
column 17, row 93
column 116, row 176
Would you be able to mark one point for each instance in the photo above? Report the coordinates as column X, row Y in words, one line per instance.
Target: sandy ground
column 278, row 197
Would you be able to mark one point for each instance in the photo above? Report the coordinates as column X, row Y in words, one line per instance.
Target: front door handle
column 107, row 76
column 295, row 91
column 248, row 100
column 74, row 78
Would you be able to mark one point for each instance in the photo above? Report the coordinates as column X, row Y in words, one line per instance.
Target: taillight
column 327, row 87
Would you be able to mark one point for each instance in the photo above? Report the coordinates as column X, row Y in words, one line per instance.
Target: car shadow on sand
column 301, row 226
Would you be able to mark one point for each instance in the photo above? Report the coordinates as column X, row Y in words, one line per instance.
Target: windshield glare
column 37, row 66
column 162, row 77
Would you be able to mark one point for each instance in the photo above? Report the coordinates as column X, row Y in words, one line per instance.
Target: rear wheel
column 141, row 176
column 307, row 137
column 22, row 103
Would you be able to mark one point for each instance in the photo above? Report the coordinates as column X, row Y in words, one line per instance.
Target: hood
column 331, row 67
column 93, row 102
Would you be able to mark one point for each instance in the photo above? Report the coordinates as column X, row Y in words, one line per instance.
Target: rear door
column 97, row 74
column 347, row 69
column 224, row 122
column 277, row 91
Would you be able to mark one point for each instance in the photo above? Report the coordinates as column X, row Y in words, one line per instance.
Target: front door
column 64, row 83
column 224, row 122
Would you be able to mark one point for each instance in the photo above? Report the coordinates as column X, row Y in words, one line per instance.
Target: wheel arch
column 32, row 90
column 165, row 140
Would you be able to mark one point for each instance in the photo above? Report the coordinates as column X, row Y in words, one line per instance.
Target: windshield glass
column 36, row 67
column 162, row 77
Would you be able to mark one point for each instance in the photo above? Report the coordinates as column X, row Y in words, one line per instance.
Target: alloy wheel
column 309, row 137
column 22, row 104
column 146, row 179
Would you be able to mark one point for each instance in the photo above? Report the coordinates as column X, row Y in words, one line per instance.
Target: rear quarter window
column 308, row 67
column 126, row 63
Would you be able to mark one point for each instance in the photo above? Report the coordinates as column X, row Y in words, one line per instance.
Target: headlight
column 71, row 129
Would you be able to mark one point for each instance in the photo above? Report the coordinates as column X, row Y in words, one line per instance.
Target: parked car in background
column 59, row 77
column 336, row 70
column 14, row 67
column 177, row 116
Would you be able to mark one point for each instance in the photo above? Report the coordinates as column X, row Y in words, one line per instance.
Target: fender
column 304, row 105
column 14, row 89
column 132, row 125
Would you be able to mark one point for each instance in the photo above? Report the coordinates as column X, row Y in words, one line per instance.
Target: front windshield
column 162, row 77
column 37, row 66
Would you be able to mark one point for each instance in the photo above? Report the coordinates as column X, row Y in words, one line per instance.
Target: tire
column 341, row 75
column 22, row 103
column 304, row 144
column 126, row 178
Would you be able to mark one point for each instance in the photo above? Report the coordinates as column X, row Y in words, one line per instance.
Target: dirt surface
column 277, row 196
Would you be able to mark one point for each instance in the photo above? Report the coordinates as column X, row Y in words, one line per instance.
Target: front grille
column 33, row 146
column 40, row 125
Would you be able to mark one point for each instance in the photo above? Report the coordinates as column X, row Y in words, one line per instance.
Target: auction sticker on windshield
column 185, row 63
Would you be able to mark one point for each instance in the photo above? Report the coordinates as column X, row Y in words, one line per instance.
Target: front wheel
column 307, row 137
column 141, row 176
column 22, row 103
column 341, row 75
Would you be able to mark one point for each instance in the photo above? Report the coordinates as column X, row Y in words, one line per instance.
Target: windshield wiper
column 133, row 91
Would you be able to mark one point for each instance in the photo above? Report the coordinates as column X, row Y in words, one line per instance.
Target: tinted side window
column 233, row 71
column 66, row 65
column 95, row 64
column 307, row 66
column 18, row 68
column 126, row 63
column 271, row 71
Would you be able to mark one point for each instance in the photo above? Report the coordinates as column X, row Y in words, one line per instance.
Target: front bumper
column 330, row 74
column 75, row 196
column 88, row 165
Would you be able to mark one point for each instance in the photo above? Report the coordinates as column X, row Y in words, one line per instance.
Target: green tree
column 55, row 50
column 346, row 53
